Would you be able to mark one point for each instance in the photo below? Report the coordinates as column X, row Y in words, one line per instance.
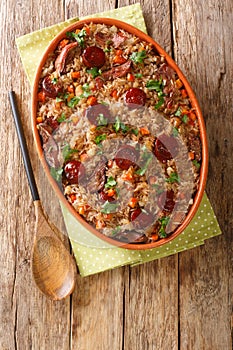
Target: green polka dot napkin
column 92, row 254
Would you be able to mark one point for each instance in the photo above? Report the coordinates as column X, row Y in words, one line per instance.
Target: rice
column 119, row 133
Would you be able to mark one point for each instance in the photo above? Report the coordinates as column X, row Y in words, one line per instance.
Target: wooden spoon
column 53, row 267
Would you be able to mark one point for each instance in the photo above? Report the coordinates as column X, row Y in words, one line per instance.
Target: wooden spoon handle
column 23, row 146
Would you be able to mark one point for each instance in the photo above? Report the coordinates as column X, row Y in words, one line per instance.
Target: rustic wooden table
column 180, row 302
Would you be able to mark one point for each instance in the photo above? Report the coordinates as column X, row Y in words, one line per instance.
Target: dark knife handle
column 23, row 146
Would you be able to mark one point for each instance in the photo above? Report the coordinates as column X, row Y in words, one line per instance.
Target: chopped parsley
column 156, row 85
column 159, row 103
column 56, row 173
column 175, row 132
column 62, row 118
column 59, row 99
column 116, row 230
column 196, row 164
column 75, row 100
column 109, row 207
column 67, row 151
column 138, row 57
column 174, row 177
column 162, row 231
column 147, row 157
column 118, row 125
column 102, row 121
column 79, row 37
column 111, row 182
column 135, row 132
column 185, row 118
column 178, row 112
column 95, row 72
column 138, row 75
column 100, row 138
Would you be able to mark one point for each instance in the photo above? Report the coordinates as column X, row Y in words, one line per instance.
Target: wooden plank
column 97, row 304
column 151, row 292
column 203, row 49
column 28, row 319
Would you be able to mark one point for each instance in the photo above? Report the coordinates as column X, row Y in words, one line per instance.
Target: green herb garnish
column 138, row 75
column 109, row 207
column 138, row 57
column 135, row 131
column 156, row 85
column 196, row 164
column 54, row 81
column 62, row 118
column 111, row 182
column 100, row 138
column 79, row 37
column 118, row 125
column 75, row 100
column 59, row 99
column 178, row 112
column 159, row 103
column 174, row 177
column 67, row 151
column 175, row 132
column 185, row 118
column 116, row 230
column 95, row 72
column 163, row 221
column 147, row 157
column 56, row 173
column 102, row 121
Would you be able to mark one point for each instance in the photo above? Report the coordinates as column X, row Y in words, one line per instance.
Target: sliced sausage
column 97, row 180
column 74, row 171
column 126, row 156
column 61, row 58
column 105, row 197
column 135, row 96
column 93, row 56
column 50, row 88
column 166, row 147
column 92, row 113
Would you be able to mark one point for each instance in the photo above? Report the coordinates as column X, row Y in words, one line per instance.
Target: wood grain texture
column 203, row 49
column 181, row 302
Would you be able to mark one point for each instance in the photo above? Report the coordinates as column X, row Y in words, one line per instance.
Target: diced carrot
column 111, row 192
column 142, row 48
column 91, row 101
column 88, row 31
column 119, row 59
column 39, row 120
column 108, row 216
column 119, row 52
column 184, row 93
column 77, row 31
column 128, row 176
column 184, row 111
column 130, row 77
column 155, row 236
column 133, row 202
column 99, row 224
column 41, row 96
column 144, row 131
column 92, row 128
column 83, row 157
column 70, row 97
column 110, row 163
column 114, row 94
column 191, row 155
column 58, row 105
column 72, row 197
column 81, row 210
column 75, row 75
column 70, row 89
column 179, row 84
column 192, row 116
column 63, row 43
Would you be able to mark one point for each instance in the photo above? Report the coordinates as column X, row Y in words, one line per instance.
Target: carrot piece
column 142, row 48
column 155, row 236
column 114, row 94
column 119, row 59
column 133, row 202
column 111, row 192
column 41, row 96
column 108, row 216
column 39, row 120
column 119, row 52
column 184, row 93
column 70, row 89
column 81, row 210
column 75, row 75
column 58, row 105
column 179, row 83
column 184, row 111
column 191, row 155
column 72, row 197
column 63, row 43
column 88, row 31
column 110, row 163
column 192, row 116
column 130, row 77
column 128, row 176
column 83, row 157
column 70, row 97
column 144, row 131
column 91, row 101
